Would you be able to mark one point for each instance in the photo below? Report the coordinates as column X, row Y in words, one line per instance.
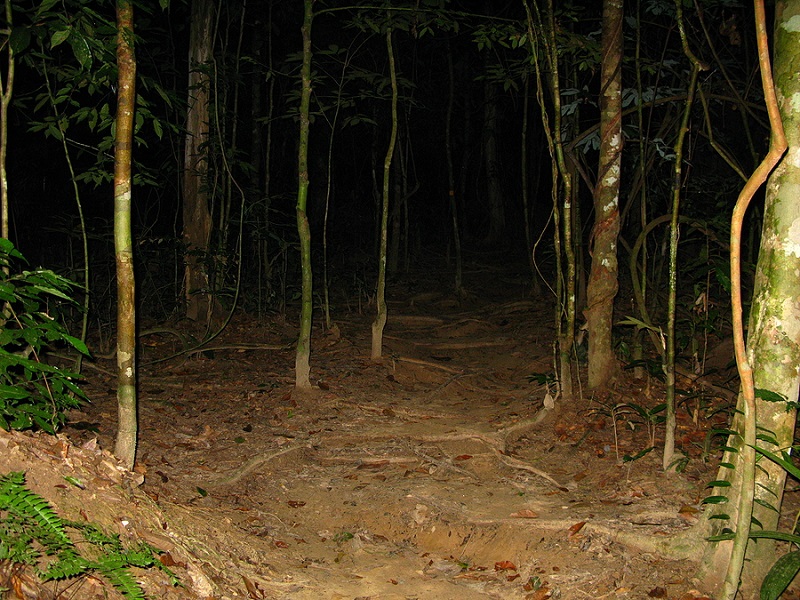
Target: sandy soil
column 435, row 473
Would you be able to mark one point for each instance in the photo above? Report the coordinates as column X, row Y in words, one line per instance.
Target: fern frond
column 114, row 570
column 25, row 504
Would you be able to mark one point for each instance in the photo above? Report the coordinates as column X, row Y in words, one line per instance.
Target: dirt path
column 436, row 473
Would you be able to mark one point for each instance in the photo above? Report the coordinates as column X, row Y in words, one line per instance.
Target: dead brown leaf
column 525, row 513
column 505, row 565
column 576, row 528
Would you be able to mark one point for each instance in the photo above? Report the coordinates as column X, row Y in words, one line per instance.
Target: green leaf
column 59, row 37
column 787, row 465
column 80, row 48
column 203, row 493
column 20, row 39
column 715, row 500
column 769, row 396
column 780, row 576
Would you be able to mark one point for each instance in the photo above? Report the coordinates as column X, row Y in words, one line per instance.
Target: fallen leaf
column 525, row 513
column 296, row 503
column 505, row 565
column 252, row 589
column 657, row 592
column 280, row 544
column 576, row 528
column 543, row 593
column 463, row 457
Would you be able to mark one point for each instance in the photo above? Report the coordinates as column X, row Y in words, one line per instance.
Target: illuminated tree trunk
column 125, row 447
column 6, row 92
column 773, row 335
column 380, row 318
column 302, row 358
column 603, row 283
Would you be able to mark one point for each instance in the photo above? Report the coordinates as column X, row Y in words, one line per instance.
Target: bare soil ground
column 435, row 473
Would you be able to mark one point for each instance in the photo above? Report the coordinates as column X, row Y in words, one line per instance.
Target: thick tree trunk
column 197, row 222
column 127, row 427
column 603, row 284
column 773, row 342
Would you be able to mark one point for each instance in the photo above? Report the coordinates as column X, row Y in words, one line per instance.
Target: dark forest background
column 64, row 91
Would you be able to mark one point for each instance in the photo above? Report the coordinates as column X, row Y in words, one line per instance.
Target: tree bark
column 494, row 186
column 380, row 318
column 773, row 343
column 197, row 224
column 303, row 356
column 6, row 93
column 127, row 428
column 603, row 278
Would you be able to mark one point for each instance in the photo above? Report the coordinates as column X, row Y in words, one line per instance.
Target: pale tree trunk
column 603, row 283
column 125, row 448
column 303, row 356
column 197, row 222
column 380, row 298
column 6, row 92
column 773, row 341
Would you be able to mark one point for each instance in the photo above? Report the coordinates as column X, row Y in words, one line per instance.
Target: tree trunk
column 494, row 186
column 451, row 180
column 6, row 93
column 125, row 447
column 603, row 284
column 197, row 222
column 773, row 343
column 380, row 299
column 303, row 356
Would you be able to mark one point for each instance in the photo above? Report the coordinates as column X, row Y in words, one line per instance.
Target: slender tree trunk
column 6, row 93
column 669, row 459
column 303, row 357
column 125, row 447
column 541, row 36
column 451, row 179
column 494, row 186
column 380, row 318
column 773, row 337
column 197, row 223
column 603, row 278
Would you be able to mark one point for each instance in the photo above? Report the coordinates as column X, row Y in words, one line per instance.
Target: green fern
column 30, row 528
column 30, row 508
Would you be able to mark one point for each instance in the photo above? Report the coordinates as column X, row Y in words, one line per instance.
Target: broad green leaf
column 20, row 39
column 80, row 48
column 780, row 576
column 769, row 396
column 59, row 37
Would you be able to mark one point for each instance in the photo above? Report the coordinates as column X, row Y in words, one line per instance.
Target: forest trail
column 435, row 473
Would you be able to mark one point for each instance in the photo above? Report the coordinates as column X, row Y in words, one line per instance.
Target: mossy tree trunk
column 303, row 355
column 603, row 282
column 380, row 318
column 127, row 429
column 773, row 341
